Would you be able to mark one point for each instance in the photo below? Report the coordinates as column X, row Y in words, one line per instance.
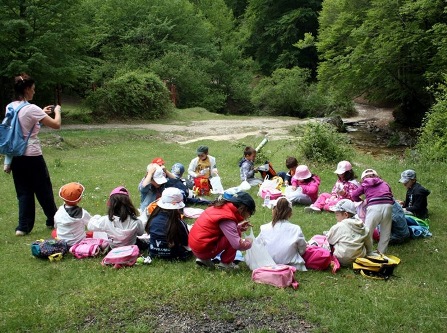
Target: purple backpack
column 89, row 247
column 122, row 256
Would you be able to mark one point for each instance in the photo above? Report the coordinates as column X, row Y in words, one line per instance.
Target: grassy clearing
column 75, row 295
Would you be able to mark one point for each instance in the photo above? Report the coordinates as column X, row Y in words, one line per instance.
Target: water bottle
column 267, row 200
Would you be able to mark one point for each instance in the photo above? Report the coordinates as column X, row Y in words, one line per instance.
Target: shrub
column 288, row 93
column 432, row 142
column 131, row 95
column 323, row 144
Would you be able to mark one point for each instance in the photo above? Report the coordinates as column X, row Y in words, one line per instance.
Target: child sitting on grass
column 284, row 240
column 349, row 238
column 70, row 220
column 121, row 223
column 168, row 233
column 218, row 230
column 247, row 167
column 305, row 185
column 416, row 198
column 343, row 187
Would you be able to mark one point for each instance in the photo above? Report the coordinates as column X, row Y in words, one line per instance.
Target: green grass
column 81, row 295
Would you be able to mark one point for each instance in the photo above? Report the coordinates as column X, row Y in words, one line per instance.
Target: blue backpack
column 11, row 137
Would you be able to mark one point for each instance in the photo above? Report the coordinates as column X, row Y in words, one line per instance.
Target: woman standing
column 29, row 171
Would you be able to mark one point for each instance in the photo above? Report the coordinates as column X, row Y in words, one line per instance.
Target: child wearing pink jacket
column 305, row 186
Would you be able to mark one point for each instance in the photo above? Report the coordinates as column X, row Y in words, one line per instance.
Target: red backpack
column 201, row 186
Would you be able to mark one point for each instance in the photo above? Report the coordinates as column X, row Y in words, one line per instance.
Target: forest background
column 122, row 59
column 293, row 58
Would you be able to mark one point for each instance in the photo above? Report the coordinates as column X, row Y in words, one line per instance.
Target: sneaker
column 312, row 209
column 20, row 233
column 205, row 263
column 229, row 266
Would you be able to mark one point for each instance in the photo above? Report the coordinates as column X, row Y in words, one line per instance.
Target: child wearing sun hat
column 168, row 232
column 305, row 186
column 70, row 220
column 153, row 183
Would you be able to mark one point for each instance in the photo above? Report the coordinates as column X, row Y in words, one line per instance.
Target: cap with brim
column 369, row 172
column 159, row 176
column 171, row 198
column 159, row 161
column 242, row 198
column 342, row 167
column 344, row 205
column 202, row 150
column 407, row 175
column 71, row 192
column 119, row 190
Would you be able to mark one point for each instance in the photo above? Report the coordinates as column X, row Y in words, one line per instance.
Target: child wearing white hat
column 349, row 238
column 343, row 187
column 168, row 232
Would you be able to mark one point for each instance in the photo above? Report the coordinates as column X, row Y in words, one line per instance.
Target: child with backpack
column 284, row 240
column 379, row 205
column 349, row 238
column 71, row 220
column 305, row 186
column 247, row 167
column 121, row 223
column 343, row 187
column 168, row 232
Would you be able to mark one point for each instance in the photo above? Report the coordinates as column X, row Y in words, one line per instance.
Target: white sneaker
column 205, row 263
column 312, row 209
column 20, row 233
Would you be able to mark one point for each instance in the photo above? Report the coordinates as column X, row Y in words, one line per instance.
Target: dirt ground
column 230, row 129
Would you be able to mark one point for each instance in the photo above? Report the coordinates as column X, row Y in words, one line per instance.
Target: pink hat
column 342, row 167
column 302, row 172
column 119, row 190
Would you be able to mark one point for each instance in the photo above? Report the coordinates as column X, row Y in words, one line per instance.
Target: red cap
column 159, row 161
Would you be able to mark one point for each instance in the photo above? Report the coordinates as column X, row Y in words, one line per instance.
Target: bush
column 288, row 93
column 133, row 95
column 323, row 144
column 432, row 142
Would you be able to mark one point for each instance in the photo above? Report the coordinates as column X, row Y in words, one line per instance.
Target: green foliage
column 384, row 50
column 432, row 142
column 321, row 143
column 288, row 93
column 131, row 95
column 273, row 27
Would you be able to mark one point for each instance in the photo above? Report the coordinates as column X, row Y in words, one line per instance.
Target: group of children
column 218, row 230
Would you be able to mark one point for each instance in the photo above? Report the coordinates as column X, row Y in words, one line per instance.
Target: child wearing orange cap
column 70, row 220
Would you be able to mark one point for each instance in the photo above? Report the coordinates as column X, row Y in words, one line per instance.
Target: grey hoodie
column 350, row 240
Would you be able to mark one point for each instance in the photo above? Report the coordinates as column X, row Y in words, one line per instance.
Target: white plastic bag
column 257, row 256
column 216, row 185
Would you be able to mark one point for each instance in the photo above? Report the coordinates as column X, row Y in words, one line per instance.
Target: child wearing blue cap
column 416, row 198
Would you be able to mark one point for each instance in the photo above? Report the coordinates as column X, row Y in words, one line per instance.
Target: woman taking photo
column 29, row 171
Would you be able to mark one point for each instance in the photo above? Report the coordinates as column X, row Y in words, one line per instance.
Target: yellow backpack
column 379, row 267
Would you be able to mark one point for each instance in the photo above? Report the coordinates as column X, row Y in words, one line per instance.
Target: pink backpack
column 122, row 256
column 319, row 258
column 281, row 276
column 89, row 247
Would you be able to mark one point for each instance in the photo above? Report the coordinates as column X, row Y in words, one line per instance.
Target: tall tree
column 384, row 50
column 40, row 37
column 273, row 27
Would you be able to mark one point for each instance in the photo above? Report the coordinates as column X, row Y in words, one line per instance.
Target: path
column 231, row 129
